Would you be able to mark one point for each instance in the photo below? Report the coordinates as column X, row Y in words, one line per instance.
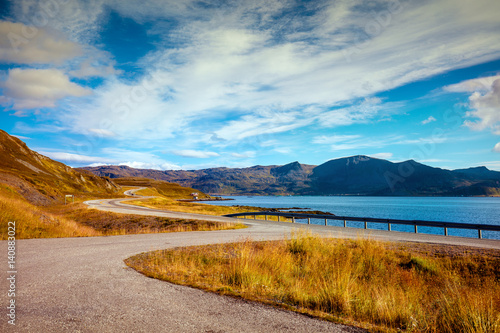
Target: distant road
column 82, row 284
column 117, row 205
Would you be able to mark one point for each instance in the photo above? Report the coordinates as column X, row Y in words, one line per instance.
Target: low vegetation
column 77, row 220
column 35, row 222
column 384, row 287
column 167, row 195
column 161, row 188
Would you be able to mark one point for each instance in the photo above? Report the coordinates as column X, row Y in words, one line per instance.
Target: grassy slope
column 76, row 220
column 167, row 194
column 32, row 191
column 43, row 181
column 382, row 287
column 34, row 221
column 161, row 188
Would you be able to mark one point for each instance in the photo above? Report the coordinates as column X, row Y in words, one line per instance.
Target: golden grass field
column 77, row 220
column 169, row 202
column 386, row 287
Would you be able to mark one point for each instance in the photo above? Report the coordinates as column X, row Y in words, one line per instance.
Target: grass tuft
column 366, row 283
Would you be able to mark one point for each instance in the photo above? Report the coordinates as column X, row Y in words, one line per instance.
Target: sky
column 187, row 84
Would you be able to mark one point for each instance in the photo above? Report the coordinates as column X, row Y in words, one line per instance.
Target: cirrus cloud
column 195, row 153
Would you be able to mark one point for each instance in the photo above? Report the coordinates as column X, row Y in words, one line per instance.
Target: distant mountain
column 41, row 180
column 363, row 175
column 256, row 180
column 355, row 175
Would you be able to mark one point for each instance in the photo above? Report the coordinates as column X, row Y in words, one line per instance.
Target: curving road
column 82, row 284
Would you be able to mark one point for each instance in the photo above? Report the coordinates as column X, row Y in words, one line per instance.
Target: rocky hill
column 256, row 180
column 355, row 175
column 41, row 180
column 362, row 175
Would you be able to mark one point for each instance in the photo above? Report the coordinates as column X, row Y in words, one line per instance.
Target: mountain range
column 43, row 181
column 355, row 175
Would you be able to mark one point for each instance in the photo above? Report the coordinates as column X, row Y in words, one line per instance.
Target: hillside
column 161, row 188
column 362, row 175
column 43, row 181
column 355, row 175
column 271, row 180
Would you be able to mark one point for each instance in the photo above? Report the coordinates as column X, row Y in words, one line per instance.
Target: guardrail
column 366, row 220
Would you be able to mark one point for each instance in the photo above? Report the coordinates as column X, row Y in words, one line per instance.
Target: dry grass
column 160, row 188
column 36, row 222
column 170, row 204
column 108, row 223
column 365, row 283
column 76, row 220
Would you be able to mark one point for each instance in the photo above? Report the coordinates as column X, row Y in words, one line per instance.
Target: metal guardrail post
column 365, row 220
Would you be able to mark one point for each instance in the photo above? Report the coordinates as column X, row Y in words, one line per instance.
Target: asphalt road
column 82, row 284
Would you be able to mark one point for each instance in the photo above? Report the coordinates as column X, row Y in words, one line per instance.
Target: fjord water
column 481, row 210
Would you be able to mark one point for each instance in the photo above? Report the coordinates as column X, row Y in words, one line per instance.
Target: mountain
column 363, row 175
column 355, row 175
column 41, row 180
column 256, row 180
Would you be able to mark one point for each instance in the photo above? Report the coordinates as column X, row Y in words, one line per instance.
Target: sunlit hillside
column 43, row 181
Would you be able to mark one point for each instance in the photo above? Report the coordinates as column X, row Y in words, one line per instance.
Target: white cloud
column 482, row 84
column 283, row 150
column 492, row 165
column 486, row 107
column 356, row 142
column 70, row 158
column 153, row 166
column 363, row 112
column 38, row 88
column 261, row 124
column 484, row 102
column 102, row 132
column 428, row 120
column 24, row 44
column 497, row 148
column 384, row 156
column 230, row 62
column 138, row 159
column 95, row 68
column 195, row 153
column 246, row 154
column 328, row 140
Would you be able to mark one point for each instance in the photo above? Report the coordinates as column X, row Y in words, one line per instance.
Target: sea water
column 474, row 210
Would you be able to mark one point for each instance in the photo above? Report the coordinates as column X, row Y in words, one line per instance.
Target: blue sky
column 197, row 84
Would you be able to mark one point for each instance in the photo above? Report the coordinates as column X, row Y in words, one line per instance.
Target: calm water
column 464, row 210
